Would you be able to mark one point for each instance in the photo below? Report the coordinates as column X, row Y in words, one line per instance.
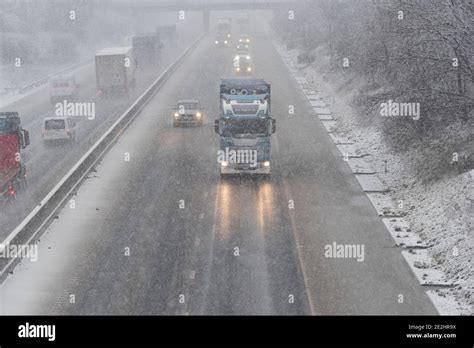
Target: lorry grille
column 245, row 109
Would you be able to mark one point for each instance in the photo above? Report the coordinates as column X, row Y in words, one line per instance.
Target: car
column 243, row 64
column 188, row 111
column 222, row 41
column 56, row 129
column 242, row 48
column 245, row 39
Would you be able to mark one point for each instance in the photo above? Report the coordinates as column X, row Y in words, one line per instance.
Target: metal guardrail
column 44, row 80
column 29, row 230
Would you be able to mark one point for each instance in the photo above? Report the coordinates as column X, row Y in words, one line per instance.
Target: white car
column 244, row 39
column 58, row 129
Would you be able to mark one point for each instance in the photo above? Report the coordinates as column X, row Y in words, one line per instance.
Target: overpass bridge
column 206, row 6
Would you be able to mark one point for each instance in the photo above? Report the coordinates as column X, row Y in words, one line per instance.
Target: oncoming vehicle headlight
column 224, row 164
column 238, row 69
column 198, row 115
column 217, row 42
column 266, row 164
column 249, row 69
column 176, row 115
column 228, row 35
column 225, row 42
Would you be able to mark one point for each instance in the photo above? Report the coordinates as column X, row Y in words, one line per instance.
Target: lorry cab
column 63, row 87
column 244, row 127
column 13, row 139
column 57, row 129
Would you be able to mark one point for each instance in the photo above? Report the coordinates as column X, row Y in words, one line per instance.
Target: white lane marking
column 192, row 274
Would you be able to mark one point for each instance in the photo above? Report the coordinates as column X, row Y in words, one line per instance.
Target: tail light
column 11, row 191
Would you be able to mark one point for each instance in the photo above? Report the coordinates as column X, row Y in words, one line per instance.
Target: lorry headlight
column 224, row 164
column 266, row 164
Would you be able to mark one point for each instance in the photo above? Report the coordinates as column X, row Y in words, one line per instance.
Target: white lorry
column 63, row 87
column 115, row 70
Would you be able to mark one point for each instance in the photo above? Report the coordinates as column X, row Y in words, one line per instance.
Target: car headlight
column 198, row 115
column 228, row 35
column 266, row 164
column 225, row 41
column 248, row 40
column 217, row 42
column 249, row 69
column 224, row 164
column 238, row 69
column 176, row 115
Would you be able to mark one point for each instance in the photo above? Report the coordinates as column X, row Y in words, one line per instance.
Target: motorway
column 162, row 233
column 46, row 165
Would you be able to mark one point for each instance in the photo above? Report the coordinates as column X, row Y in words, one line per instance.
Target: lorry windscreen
column 8, row 126
column 243, row 127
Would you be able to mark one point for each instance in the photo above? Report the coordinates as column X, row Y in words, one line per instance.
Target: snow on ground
column 440, row 212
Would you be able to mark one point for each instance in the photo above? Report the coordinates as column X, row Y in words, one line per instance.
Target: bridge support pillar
column 206, row 19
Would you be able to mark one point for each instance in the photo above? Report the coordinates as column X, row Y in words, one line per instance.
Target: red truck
column 13, row 138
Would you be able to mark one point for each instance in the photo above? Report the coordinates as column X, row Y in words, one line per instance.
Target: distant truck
column 168, row 33
column 224, row 27
column 243, row 21
column 63, row 87
column 147, row 49
column 13, row 139
column 244, row 126
column 115, row 70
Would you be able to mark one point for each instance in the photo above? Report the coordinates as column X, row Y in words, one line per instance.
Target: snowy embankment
column 431, row 220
